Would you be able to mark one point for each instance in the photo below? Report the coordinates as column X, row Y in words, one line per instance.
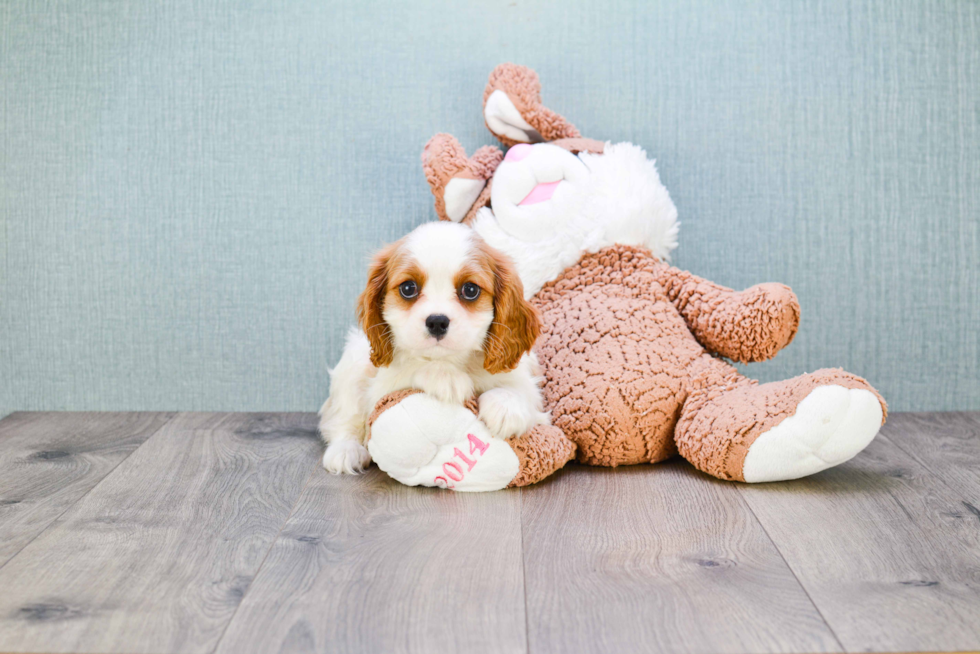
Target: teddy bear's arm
column 745, row 326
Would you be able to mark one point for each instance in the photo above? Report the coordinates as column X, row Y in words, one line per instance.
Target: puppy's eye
column 469, row 291
column 408, row 290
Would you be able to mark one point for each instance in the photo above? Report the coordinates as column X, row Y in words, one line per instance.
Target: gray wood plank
column 365, row 564
column 158, row 556
column 888, row 553
column 49, row 460
column 947, row 444
column 657, row 559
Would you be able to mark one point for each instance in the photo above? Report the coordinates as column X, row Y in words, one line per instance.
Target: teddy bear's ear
column 513, row 111
column 459, row 183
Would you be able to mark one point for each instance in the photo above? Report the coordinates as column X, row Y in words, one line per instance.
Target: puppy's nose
column 437, row 324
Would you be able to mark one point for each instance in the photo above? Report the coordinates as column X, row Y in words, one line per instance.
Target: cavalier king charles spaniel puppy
column 444, row 313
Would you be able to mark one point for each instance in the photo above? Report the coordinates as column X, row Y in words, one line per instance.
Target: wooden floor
column 152, row 532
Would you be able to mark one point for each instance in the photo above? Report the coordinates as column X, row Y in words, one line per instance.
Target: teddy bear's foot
column 458, row 182
column 830, row 426
column 513, row 111
column 738, row 430
column 421, row 441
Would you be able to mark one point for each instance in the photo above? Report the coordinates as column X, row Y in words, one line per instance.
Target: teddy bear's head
column 555, row 194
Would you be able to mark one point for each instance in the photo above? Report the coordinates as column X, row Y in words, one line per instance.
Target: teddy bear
column 635, row 353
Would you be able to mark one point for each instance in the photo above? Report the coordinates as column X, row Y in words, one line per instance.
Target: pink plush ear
column 513, row 111
column 459, row 183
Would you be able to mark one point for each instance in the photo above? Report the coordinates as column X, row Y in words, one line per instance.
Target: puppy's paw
column 505, row 415
column 346, row 457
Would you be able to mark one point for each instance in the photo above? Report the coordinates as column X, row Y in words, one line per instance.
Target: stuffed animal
column 633, row 349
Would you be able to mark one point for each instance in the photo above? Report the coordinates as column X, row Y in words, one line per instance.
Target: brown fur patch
column 516, row 324
column 371, row 303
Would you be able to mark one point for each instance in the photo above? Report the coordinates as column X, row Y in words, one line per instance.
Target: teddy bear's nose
column 518, row 152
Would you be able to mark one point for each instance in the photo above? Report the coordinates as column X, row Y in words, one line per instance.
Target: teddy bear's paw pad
column 459, row 196
column 504, row 119
column 830, row 426
column 424, row 442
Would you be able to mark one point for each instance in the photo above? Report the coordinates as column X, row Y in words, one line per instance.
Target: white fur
column 621, row 200
column 346, row 457
column 343, row 416
column 830, row 426
column 449, row 369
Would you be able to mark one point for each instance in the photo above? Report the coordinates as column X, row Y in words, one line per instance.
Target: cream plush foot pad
column 421, row 441
column 831, row 425
column 503, row 118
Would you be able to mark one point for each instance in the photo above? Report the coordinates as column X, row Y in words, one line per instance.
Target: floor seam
column 86, row 493
column 791, row 571
column 265, row 557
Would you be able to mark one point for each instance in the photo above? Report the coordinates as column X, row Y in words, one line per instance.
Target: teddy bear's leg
column 421, row 441
column 459, row 183
column 733, row 428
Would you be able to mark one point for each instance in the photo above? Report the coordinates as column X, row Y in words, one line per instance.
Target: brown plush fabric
column 614, row 351
column 622, row 365
column 522, row 86
column 541, row 451
column 745, row 326
column 581, row 145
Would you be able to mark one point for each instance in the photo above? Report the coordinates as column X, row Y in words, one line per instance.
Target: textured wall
column 189, row 190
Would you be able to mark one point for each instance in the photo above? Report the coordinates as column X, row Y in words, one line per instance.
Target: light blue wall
column 189, row 190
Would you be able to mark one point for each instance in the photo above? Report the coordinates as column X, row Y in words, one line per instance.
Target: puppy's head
column 442, row 293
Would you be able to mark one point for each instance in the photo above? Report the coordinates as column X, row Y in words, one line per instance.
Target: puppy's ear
column 516, row 324
column 370, row 306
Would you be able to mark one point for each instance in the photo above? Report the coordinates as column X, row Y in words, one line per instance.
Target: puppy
column 445, row 313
